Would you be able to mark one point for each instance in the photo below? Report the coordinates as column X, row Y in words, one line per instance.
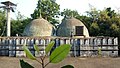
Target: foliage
column 67, row 66
column 48, row 9
column 104, row 22
column 49, row 47
column 57, row 55
column 66, row 13
column 24, row 64
column 2, row 23
column 17, row 26
column 36, row 48
column 28, row 53
column 94, row 29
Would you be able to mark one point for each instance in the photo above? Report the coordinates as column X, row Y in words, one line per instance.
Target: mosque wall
column 92, row 46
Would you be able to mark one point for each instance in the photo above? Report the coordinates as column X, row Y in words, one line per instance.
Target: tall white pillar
column 8, row 6
column 8, row 22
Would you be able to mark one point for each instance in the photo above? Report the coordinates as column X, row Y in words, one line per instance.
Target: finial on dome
column 40, row 14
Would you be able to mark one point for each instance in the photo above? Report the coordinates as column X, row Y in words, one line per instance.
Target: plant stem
column 46, row 64
column 38, row 61
column 43, row 64
column 44, row 56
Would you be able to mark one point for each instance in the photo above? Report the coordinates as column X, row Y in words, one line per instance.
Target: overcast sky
column 26, row 7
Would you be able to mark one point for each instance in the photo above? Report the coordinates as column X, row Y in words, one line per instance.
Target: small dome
column 68, row 26
column 39, row 27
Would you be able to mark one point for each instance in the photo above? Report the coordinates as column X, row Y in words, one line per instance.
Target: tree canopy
column 48, row 9
column 69, row 13
column 106, row 20
column 2, row 23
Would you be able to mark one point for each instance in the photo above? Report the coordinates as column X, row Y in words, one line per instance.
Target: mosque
column 70, row 31
column 69, row 27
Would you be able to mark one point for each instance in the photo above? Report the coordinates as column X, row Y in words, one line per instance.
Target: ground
column 77, row 62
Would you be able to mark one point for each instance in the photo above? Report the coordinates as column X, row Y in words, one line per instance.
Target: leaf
column 24, row 64
column 59, row 53
column 67, row 66
column 49, row 47
column 28, row 53
column 36, row 48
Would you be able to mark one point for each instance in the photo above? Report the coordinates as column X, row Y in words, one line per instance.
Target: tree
column 2, row 23
column 18, row 25
column 48, row 9
column 94, row 29
column 69, row 13
column 104, row 19
column 103, row 23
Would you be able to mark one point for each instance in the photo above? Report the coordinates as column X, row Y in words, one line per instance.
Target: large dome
column 68, row 25
column 39, row 27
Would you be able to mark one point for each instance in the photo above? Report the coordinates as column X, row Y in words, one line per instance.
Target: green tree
column 69, row 13
column 115, row 30
column 103, row 20
column 2, row 23
column 94, row 29
column 48, row 9
column 93, row 14
column 18, row 25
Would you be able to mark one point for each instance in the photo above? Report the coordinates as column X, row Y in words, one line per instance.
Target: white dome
column 39, row 27
column 67, row 25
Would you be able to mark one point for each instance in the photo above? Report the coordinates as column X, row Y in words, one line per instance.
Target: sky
column 26, row 7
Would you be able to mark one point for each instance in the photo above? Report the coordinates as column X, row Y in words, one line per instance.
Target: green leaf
column 36, row 48
column 60, row 53
column 49, row 47
column 67, row 66
column 28, row 53
column 24, row 64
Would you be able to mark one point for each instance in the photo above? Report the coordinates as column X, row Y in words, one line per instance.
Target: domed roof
column 68, row 25
column 39, row 27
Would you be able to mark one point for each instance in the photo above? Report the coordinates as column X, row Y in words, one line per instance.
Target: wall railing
column 12, row 46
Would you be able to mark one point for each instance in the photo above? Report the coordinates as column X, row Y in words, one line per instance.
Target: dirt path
column 12, row 62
